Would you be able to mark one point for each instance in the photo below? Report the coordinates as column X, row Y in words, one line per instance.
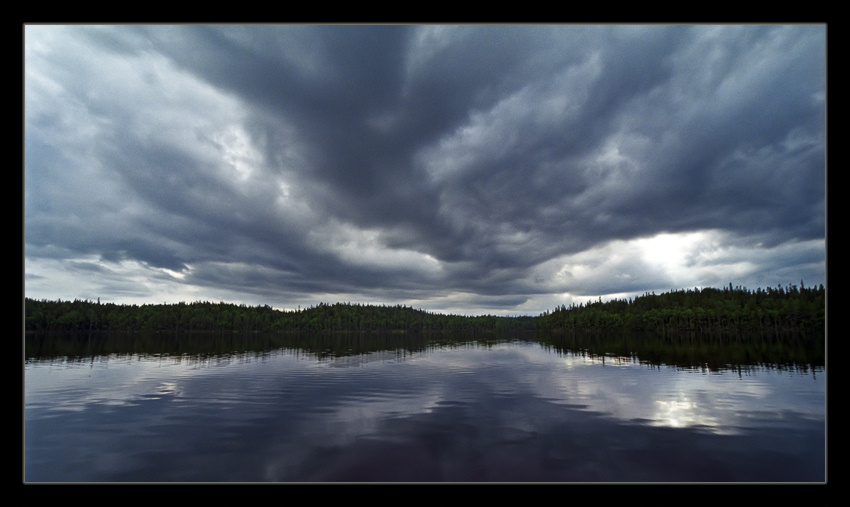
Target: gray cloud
column 503, row 168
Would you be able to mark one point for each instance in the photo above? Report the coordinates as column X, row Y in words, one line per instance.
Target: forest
column 775, row 310
column 80, row 315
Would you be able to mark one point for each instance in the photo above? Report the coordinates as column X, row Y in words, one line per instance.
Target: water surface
column 439, row 411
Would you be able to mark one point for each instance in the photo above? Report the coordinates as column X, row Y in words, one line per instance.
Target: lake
column 401, row 408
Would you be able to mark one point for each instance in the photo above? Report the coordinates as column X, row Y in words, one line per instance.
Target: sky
column 464, row 169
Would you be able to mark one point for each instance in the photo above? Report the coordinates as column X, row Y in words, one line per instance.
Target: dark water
column 321, row 409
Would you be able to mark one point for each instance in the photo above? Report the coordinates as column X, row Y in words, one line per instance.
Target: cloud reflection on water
column 294, row 416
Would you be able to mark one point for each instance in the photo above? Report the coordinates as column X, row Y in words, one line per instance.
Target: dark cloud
column 462, row 167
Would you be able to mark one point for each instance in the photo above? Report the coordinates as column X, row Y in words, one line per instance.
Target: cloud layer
column 473, row 169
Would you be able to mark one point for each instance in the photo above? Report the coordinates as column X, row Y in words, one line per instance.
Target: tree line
column 789, row 309
column 85, row 315
column 776, row 310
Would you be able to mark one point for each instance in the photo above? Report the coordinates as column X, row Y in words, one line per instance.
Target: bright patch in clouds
column 366, row 248
column 128, row 281
column 659, row 263
column 238, row 152
column 673, row 253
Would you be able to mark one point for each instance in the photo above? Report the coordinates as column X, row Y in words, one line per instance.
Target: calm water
column 503, row 410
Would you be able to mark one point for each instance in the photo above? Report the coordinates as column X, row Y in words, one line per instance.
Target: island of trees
column 775, row 310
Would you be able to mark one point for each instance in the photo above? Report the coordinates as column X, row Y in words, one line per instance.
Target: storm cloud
column 469, row 169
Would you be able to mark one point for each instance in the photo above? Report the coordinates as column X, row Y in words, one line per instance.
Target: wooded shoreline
column 778, row 310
